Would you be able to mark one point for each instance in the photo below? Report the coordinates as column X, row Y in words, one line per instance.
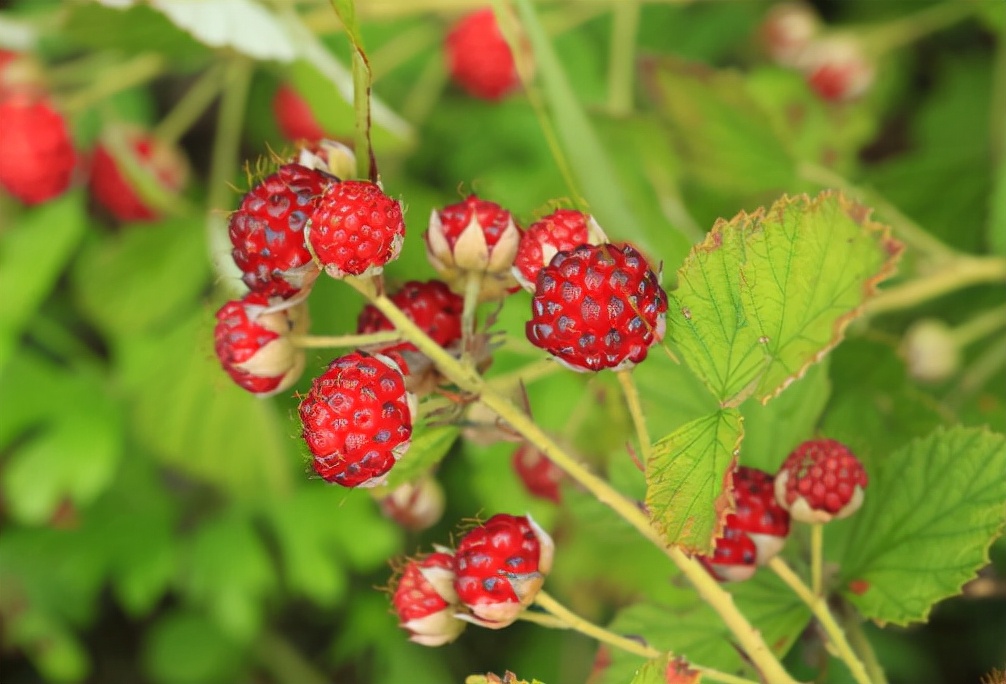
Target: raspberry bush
column 417, row 341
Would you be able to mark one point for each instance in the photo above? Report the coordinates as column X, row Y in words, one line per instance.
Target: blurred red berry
column 37, row 157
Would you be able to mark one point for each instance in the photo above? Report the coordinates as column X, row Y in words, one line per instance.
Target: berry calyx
column 251, row 340
column 597, row 307
column 415, row 506
column 329, row 156
column 356, row 229
column 37, row 157
column 540, row 476
column 357, row 419
column 561, row 230
column 267, row 230
column 820, row 481
column 294, row 117
column 787, row 30
column 478, row 57
column 499, row 567
column 734, row 558
column 111, row 184
column 757, row 513
column 425, row 601
column 474, row 236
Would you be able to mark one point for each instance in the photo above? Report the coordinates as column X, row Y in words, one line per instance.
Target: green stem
column 958, row 274
column 571, row 620
column 979, row 327
column 853, row 627
column 285, row 663
column 224, row 166
column 469, row 380
column 816, row 558
column 986, row 366
column 473, row 286
column 903, row 31
column 135, row 72
column 636, row 411
column 366, row 167
column 526, row 374
column 622, row 59
column 819, row 607
column 344, row 341
column 997, row 124
column 192, row 105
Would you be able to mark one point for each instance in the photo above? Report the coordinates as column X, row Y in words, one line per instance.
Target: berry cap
column 561, row 230
column 821, row 480
column 328, row 156
column 597, row 307
column 425, row 601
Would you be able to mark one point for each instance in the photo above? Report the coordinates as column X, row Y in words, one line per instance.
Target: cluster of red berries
column 494, row 573
column 819, row 481
column 40, row 161
column 836, row 66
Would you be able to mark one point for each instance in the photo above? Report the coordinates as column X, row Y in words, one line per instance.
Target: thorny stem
column 816, row 558
column 636, row 411
column 468, row 380
column 570, row 620
column 344, row 341
column 192, row 106
column 819, row 607
column 958, row 274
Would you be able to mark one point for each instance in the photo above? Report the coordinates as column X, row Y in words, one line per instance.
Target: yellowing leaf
column 685, row 479
column 767, row 294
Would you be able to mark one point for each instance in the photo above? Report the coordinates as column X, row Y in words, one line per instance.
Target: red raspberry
column 356, row 229
column 358, row 419
column 597, row 306
column 294, row 117
column 111, row 187
column 252, row 344
column 837, row 69
column 430, row 305
column 819, row 481
column 479, row 58
column 540, row 476
column 425, row 600
column 37, row 157
column 561, row 230
column 267, row 230
column 478, row 236
column 734, row 558
column 787, row 30
column 757, row 512
column 499, row 567
column 416, row 506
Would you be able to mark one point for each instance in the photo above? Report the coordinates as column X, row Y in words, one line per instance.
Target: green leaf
column 52, row 648
column 671, row 393
column 32, row 255
column 686, row 479
column 188, row 413
column 768, row 294
column 666, row 669
column 186, row 648
column 691, row 629
column 932, row 510
column 141, row 278
column 773, row 430
column 727, row 141
column 429, row 446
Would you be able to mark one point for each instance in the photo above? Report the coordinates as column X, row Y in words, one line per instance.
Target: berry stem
column 469, row 380
column 819, row 607
column 191, row 107
column 980, row 326
column 852, row 624
column 816, row 557
column 473, row 285
column 115, row 79
column 897, row 33
column 569, row 620
column 344, row 341
column 958, row 274
column 622, row 58
column 636, row 411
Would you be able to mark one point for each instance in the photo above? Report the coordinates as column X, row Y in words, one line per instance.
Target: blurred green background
column 159, row 525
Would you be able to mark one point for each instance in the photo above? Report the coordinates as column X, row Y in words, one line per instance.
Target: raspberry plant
column 742, row 426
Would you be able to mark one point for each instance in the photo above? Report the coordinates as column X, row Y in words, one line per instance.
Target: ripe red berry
column 267, row 230
column 474, row 236
column 479, row 58
column 251, row 341
column 37, row 157
column 819, row 481
column 430, row 305
column 837, row 69
column 425, row 601
column 356, row 229
column 757, row 513
column 734, row 558
column 294, row 117
column 561, row 230
column 596, row 307
column 111, row 186
column 358, row 419
column 541, row 477
column 499, row 567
